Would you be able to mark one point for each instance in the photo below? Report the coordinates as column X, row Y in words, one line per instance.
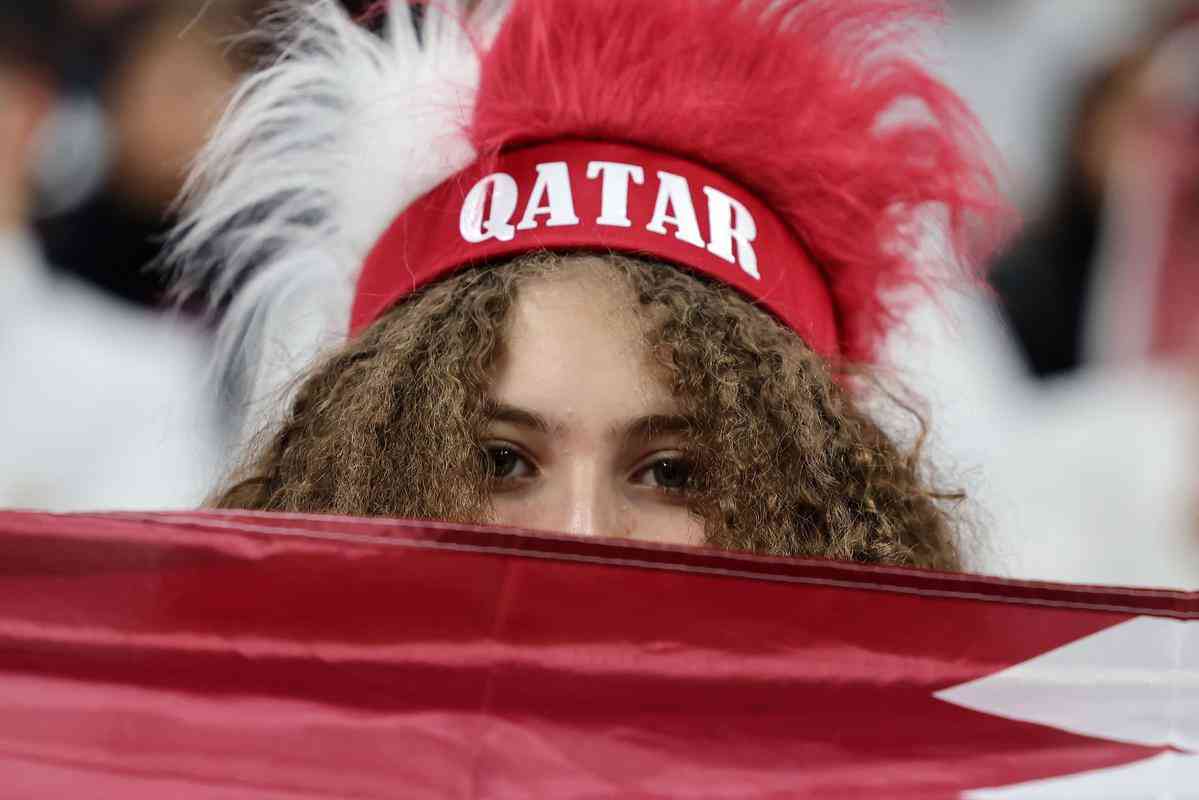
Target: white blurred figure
column 101, row 406
column 1092, row 475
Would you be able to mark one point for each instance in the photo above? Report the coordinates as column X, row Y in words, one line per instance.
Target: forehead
column 578, row 284
column 576, row 345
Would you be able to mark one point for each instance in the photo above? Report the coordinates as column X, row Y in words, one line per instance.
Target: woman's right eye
column 505, row 462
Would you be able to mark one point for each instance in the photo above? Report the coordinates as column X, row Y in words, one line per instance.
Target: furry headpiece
column 787, row 147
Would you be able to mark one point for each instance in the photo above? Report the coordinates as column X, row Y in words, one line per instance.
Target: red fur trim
column 805, row 102
column 369, row 14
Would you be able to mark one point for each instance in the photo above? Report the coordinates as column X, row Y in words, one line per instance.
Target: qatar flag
column 219, row 655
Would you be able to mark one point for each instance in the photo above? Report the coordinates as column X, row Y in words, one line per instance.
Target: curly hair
column 785, row 460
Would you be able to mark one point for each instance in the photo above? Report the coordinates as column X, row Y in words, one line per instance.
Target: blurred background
column 1062, row 396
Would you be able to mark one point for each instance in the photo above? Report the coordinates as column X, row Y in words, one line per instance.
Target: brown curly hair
column 785, row 461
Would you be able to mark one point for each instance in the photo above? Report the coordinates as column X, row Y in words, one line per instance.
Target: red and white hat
column 789, row 148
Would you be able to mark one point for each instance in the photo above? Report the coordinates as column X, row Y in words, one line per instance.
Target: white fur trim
column 316, row 155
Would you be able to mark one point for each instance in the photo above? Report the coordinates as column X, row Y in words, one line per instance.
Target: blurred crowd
column 102, row 105
column 1062, row 396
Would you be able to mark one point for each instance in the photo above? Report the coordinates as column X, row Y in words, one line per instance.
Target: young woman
column 599, row 267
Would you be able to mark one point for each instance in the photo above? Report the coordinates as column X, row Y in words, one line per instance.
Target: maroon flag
column 217, row 655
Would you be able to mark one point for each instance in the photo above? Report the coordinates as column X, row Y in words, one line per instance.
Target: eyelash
column 493, row 449
column 515, row 456
column 671, row 462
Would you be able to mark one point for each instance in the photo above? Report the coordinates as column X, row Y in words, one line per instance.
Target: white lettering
column 473, row 226
column 615, row 191
column 553, row 183
column 728, row 219
column 674, row 193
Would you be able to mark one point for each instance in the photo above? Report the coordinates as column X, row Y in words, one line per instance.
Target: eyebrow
column 647, row 428
column 501, row 412
column 642, row 429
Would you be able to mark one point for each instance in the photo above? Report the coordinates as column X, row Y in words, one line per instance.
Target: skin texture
column 587, row 432
column 402, row 421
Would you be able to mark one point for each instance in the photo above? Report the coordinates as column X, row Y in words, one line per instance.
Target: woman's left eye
column 670, row 473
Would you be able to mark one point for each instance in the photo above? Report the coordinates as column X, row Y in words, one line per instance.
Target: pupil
column 671, row 474
column 503, row 461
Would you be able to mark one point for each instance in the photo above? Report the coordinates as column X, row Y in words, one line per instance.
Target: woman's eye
column 506, row 462
column 672, row 474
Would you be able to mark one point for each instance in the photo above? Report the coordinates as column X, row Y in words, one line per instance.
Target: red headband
column 586, row 195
